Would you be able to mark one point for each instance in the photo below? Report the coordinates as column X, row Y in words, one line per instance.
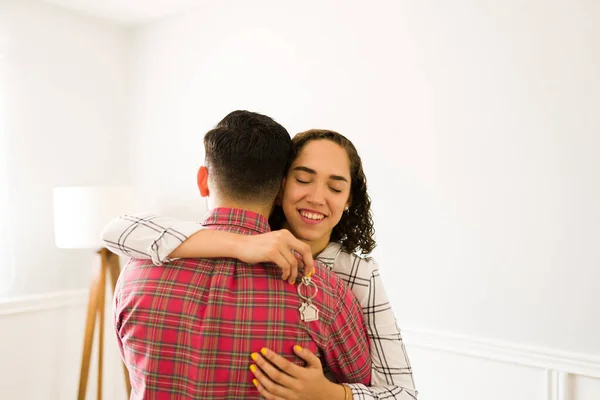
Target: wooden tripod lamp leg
column 96, row 309
column 115, row 269
column 101, row 308
column 88, row 340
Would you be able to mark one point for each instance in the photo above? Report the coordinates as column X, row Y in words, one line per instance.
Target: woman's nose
column 316, row 196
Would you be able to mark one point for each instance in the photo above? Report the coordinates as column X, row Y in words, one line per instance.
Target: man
column 186, row 330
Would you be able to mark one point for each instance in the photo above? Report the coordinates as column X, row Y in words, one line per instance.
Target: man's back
column 187, row 330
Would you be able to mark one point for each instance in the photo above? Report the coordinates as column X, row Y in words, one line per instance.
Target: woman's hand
column 279, row 247
column 290, row 381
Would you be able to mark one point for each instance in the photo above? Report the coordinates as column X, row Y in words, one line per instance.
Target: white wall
column 477, row 124
column 41, row 338
column 66, row 124
column 453, row 366
column 478, row 129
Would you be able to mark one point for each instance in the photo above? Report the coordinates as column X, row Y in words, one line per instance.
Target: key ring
column 307, row 282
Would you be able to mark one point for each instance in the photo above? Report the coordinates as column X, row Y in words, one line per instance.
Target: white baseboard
column 548, row 359
column 43, row 302
column 561, row 362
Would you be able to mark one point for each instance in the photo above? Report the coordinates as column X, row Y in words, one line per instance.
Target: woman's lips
column 311, row 217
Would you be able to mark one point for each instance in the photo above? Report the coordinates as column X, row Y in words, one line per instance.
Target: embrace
column 273, row 295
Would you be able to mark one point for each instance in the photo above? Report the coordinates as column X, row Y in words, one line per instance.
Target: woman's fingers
column 311, row 359
column 288, row 368
column 302, row 252
column 292, row 262
column 278, row 377
column 283, row 263
column 264, row 392
column 281, row 248
column 274, row 381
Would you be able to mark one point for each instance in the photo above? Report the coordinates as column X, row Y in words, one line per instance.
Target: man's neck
column 260, row 209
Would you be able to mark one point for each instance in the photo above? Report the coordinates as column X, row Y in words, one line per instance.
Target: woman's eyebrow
column 313, row 172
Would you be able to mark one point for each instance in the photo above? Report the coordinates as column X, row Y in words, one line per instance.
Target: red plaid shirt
column 186, row 330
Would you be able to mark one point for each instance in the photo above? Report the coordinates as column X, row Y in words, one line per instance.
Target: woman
column 324, row 203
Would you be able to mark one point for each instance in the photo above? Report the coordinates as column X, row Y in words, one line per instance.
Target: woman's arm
column 391, row 375
column 147, row 236
column 164, row 239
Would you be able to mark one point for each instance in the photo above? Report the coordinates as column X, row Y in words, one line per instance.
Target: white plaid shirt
column 150, row 236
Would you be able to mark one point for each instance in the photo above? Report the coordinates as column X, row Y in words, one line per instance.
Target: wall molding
column 557, row 385
column 562, row 362
column 43, row 302
column 557, row 364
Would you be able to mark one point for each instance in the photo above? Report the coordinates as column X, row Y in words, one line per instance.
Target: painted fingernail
column 263, row 351
column 254, row 356
column 255, row 382
column 297, row 348
column 253, row 368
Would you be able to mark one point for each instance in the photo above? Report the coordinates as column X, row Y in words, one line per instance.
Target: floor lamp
column 80, row 214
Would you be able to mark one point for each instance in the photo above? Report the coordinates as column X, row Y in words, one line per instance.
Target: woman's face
column 315, row 192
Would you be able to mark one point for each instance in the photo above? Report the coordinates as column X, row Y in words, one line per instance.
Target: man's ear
column 203, row 181
column 279, row 198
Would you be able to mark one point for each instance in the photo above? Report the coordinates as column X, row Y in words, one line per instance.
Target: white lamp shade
column 82, row 212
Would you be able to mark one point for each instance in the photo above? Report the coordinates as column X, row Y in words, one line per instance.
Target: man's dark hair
column 246, row 155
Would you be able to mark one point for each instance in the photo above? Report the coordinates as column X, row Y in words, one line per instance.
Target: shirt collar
column 329, row 254
column 238, row 217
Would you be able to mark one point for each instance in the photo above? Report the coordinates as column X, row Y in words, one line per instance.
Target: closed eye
column 335, row 190
column 302, row 182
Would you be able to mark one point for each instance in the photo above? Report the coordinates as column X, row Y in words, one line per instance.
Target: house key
column 308, row 312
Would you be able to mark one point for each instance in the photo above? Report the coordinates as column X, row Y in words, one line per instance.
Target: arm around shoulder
column 147, row 236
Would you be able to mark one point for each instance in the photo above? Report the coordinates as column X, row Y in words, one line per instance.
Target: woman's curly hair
column 355, row 231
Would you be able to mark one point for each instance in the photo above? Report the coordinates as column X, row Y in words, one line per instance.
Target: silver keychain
column 308, row 312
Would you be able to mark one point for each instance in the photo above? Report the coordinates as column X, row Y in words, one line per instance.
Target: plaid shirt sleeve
column 391, row 371
column 147, row 236
column 347, row 353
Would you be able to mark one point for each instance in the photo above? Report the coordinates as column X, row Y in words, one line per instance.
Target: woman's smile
column 316, row 191
column 311, row 217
